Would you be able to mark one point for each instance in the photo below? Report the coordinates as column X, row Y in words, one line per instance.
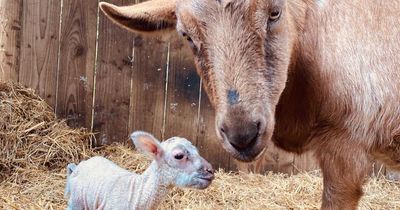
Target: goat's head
column 178, row 160
column 242, row 52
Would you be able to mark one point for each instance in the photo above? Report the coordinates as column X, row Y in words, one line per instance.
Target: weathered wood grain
column 77, row 62
column 148, row 86
column 10, row 33
column 39, row 47
column 305, row 162
column 112, row 81
column 183, row 93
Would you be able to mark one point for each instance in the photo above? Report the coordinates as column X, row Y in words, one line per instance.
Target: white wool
column 98, row 183
column 104, row 185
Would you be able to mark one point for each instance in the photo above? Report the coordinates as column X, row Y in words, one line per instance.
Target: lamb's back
column 96, row 182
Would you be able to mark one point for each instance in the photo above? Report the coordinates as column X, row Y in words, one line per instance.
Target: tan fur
column 149, row 16
column 324, row 77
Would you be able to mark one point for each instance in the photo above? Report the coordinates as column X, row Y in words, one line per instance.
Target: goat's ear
column 146, row 17
column 148, row 144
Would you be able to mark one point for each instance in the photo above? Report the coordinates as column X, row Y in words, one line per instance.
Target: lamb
column 98, row 183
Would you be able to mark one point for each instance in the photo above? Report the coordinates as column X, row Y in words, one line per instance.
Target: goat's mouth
column 248, row 154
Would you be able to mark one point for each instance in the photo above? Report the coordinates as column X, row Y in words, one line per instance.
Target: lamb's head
column 177, row 159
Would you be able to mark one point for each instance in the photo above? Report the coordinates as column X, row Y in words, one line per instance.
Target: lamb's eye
column 274, row 15
column 179, row 156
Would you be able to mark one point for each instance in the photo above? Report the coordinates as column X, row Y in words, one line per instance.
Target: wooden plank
column 378, row 169
column 305, row 162
column 183, row 93
column 112, row 81
column 77, row 61
column 148, row 86
column 39, row 47
column 10, row 32
column 279, row 160
column 207, row 140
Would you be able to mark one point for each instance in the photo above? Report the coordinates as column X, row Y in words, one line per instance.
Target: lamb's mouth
column 206, row 176
column 209, row 179
column 204, row 181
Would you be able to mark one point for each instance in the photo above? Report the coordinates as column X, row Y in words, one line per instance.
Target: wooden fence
column 113, row 82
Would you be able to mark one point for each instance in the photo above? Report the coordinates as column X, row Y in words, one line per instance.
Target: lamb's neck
column 150, row 188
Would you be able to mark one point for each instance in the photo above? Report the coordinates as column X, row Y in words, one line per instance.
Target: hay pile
column 30, row 135
column 36, row 181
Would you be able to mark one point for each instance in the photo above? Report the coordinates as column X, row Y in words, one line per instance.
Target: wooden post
column 183, row 103
column 39, row 47
column 112, row 80
column 77, row 62
column 148, row 89
column 10, row 32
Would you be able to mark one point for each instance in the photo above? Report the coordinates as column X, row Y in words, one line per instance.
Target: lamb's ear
column 146, row 17
column 148, row 144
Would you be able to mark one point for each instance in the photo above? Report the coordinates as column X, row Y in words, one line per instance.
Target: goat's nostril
column 223, row 131
column 258, row 125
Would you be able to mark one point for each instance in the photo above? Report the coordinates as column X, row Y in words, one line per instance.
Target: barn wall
column 113, row 82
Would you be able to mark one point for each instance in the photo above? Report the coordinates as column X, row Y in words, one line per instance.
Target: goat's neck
column 150, row 187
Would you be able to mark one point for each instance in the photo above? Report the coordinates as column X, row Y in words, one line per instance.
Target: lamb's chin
column 202, row 183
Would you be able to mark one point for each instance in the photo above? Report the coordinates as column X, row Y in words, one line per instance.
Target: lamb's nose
column 207, row 166
column 210, row 170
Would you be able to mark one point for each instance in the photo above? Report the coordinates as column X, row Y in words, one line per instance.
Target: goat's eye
column 274, row 15
column 179, row 156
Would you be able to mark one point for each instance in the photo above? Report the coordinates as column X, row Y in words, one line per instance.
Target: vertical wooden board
column 378, row 169
column 183, row 93
column 148, row 85
column 10, row 32
column 113, row 81
column 77, row 61
column 39, row 47
column 305, row 162
column 207, row 140
column 278, row 160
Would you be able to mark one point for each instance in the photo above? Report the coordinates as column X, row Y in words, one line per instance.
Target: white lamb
column 98, row 183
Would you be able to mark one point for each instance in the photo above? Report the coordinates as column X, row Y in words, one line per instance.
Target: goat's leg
column 345, row 168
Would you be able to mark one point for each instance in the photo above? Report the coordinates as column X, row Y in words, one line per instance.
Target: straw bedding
column 35, row 148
